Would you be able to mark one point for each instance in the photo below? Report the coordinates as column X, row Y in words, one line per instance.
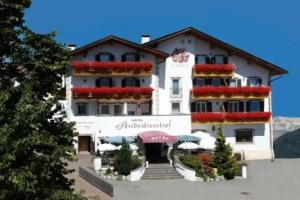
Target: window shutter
column 241, row 106
column 137, row 57
column 123, row 58
column 110, row 82
column 259, row 81
column 124, row 82
column 111, row 57
column 137, row 82
column 225, row 104
column 194, row 82
column 193, row 107
column 97, row 82
column 97, row 57
column 225, row 60
column 248, row 106
column 209, row 106
column 207, row 59
column 207, row 81
column 248, row 82
column 262, row 106
column 196, row 59
column 213, row 60
column 239, row 82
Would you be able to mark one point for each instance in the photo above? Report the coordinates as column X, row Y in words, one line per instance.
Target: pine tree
column 223, row 158
column 123, row 162
column 34, row 145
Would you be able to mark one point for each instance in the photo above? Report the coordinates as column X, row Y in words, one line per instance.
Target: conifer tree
column 34, row 145
column 123, row 161
column 223, row 158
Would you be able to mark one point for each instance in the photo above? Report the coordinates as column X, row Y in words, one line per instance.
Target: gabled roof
column 274, row 69
column 122, row 41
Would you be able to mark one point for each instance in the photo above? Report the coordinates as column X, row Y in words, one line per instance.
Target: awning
column 156, row 137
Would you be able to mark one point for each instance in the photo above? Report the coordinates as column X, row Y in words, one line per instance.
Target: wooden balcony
column 213, row 70
column 103, row 69
column 231, row 118
column 114, row 94
column 211, row 93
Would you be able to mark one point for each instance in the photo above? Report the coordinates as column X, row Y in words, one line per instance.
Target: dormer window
column 104, row 57
column 130, row 57
column 254, row 81
column 220, row 59
column 202, row 59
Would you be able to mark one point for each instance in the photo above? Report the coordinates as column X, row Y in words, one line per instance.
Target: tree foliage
column 123, row 161
column 223, row 158
column 34, row 145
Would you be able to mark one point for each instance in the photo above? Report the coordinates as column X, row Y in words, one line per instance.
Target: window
column 199, row 82
column 244, row 136
column 104, row 109
column 131, row 113
column 175, row 107
column 220, row 59
column 130, row 57
column 104, row 57
column 216, row 82
column 82, row 108
column 175, row 87
column 118, row 109
column 235, row 83
column 104, row 82
column 201, row 59
column 254, row 82
column 233, row 106
column 201, row 107
column 254, row 106
column 130, row 82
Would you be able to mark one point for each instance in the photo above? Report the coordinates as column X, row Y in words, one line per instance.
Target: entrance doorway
column 156, row 152
column 84, row 143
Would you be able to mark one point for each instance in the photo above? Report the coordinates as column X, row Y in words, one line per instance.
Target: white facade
column 160, row 117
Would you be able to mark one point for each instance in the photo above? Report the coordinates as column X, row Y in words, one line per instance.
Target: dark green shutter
column 248, row 82
column 248, row 106
column 225, row 60
column 259, row 81
column 97, row 57
column 111, row 57
column 207, row 81
column 97, row 82
column 241, row 106
column 196, row 59
column 193, row 106
column 137, row 57
column 110, row 82
column 194, row 82
column 262, row 106
column 225, row 104
column 123, row 58
column 124, row 82
column 207, row 60
column 137, row 82
column 209, row 106
column 239, row 82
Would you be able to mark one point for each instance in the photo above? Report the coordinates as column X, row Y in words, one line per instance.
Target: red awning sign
column 156, row 137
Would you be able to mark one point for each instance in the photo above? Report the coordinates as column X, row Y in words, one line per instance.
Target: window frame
column 122, row 109
column 205, row 56
column 131, row 54
column 99, row 54
column 130, row 79
column 86, row 109
column 223, row 59
column 201, row 103
column 258, row 79
column 242, row 132
column 230, row 107
column 179, row 110
column 100, row 109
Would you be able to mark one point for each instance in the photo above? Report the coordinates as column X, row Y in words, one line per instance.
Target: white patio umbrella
column 107, row 147
column 207, row 141
column 133, row 147
column 188, row 146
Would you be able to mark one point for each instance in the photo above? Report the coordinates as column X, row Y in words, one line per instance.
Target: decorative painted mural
column 180, row 55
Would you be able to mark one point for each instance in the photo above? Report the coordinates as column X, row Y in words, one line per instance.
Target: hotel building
column 186, row 82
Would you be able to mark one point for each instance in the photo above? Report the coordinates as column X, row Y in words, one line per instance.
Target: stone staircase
column 160, row 171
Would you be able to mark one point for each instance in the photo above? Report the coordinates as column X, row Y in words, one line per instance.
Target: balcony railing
column 214, row 70
column 231, row 118
column 222, row 92
column 111, row 68
column 176, row 92
column 132, row 94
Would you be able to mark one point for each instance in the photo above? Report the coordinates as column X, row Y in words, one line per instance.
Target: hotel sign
column 142, row 124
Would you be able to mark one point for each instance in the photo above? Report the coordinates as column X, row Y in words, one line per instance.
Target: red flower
column 235, row 116
column 114, row 90
column 95, row 65
column 228, row 91
column 217, row 68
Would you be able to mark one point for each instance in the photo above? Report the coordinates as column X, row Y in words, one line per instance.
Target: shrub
column 190, row 161
column 204, row 158
column 123, row 160
column 136, row 162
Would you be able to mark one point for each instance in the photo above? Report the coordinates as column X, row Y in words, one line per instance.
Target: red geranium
column 214, row 68
column 114, row 90
column 228, row 91
column 96, row 65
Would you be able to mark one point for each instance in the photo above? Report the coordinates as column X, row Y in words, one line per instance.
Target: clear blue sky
column 267, row 28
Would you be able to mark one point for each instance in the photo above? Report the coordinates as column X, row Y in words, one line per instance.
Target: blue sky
column 268, row 29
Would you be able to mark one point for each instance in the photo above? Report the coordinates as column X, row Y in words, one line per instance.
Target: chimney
column 145, row 38
column 71, row 47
